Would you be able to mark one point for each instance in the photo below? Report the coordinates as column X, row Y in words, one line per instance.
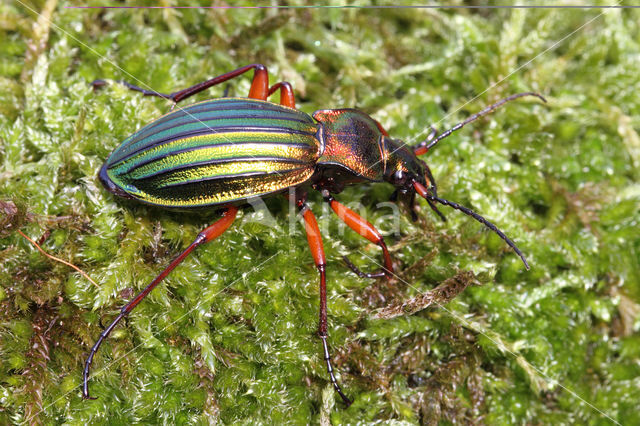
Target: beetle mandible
column 223, row 152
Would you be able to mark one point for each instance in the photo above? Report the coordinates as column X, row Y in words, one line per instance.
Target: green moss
column 230, row 334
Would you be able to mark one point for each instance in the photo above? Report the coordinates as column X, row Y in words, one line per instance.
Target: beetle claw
column 361, row 274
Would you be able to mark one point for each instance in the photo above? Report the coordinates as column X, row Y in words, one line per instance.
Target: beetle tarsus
column 359, row 272
column 332, row 377
column 87, row 365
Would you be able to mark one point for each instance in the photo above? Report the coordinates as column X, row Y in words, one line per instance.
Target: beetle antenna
column 432, row 140
column 422, row 190
column 433, row 188
column 436, row 211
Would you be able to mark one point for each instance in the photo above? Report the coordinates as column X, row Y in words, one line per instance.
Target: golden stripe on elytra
column 249, row 186
column 260, row 144
column 231, row 169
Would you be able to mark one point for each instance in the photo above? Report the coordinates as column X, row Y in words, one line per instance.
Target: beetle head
column 403, row 168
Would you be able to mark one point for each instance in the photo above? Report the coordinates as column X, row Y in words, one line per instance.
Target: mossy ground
column 230, row 335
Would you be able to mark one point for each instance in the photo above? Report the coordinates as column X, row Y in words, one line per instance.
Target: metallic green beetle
column 224, row 152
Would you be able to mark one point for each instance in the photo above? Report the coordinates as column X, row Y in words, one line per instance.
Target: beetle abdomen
column 214, row 152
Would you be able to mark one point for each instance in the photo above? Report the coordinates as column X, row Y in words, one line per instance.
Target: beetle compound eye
column 400, row 179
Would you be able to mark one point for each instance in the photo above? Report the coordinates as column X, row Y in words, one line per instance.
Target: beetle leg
column 286, row 93
column 317, row 250
column 367, row 230
column 211, row 232
column 259, row 86
column 359, row 272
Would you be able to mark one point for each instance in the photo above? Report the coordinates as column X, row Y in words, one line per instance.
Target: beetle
column 223, row 152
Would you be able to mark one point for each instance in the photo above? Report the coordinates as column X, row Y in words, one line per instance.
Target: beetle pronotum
column 223, row 152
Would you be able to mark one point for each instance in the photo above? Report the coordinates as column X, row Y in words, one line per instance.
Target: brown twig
column 440, row 295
